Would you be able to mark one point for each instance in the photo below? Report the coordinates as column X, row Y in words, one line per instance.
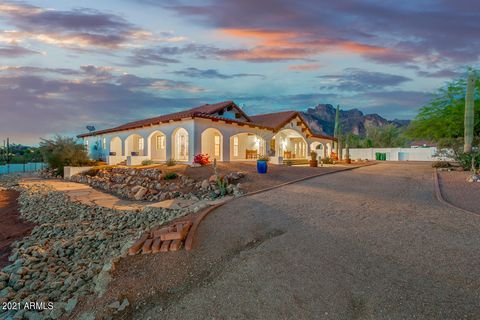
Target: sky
column 68, row 64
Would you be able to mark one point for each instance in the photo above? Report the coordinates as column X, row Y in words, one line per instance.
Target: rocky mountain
column 322, row 120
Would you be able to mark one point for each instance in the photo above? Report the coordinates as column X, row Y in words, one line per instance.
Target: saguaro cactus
column 336, row 130
column 469, row 113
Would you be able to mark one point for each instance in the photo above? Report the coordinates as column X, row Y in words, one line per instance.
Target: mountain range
column 322, row 120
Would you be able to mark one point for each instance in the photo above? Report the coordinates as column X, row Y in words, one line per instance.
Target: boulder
column 140, row 193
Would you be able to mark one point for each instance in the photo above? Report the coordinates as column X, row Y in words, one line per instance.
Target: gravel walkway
column 372, row 243
column 458, row 192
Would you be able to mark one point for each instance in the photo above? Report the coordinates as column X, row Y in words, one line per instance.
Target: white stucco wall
column 396, row 154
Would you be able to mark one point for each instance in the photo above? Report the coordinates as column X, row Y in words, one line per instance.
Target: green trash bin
column 384, row 156
column 377, row 155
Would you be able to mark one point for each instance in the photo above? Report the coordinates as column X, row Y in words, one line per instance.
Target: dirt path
column 372, row 243
column 11, row 227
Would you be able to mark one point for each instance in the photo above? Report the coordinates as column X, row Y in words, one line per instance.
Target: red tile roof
column 270, row 121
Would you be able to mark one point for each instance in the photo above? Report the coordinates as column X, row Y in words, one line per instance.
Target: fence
column 22, row 167
column 396, row 154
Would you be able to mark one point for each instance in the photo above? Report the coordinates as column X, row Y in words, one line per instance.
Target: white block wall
column 396, row 154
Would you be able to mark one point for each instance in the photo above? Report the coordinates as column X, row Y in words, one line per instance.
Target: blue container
column 262, row 166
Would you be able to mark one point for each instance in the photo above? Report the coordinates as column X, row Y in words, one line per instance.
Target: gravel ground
column 70, row 253
column 372, row 243
column 457, row 191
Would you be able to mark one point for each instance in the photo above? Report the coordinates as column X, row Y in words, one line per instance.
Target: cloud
column 442, row 73
column 15, row 51
column 46, row 105
column 384, row 32
column 212, row 73
column 353, row 79
column 305, row 67
column 79, row 28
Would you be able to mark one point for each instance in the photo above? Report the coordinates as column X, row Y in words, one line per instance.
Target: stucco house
column 221, row 130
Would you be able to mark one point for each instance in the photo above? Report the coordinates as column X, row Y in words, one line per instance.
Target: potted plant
column 262, row 164
column 313, row 161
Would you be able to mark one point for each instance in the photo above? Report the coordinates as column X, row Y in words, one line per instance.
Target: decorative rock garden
column 155, row 185
column 73, row 248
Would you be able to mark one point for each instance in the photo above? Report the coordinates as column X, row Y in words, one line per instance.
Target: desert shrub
column 441, row 164
column 170, row 176
column 201, row 159
column 452, row 148
column 63, row 151
column 264, row 158
column 328, row 160
column 313, row 155
column 171, row 162
column 94, row 171
column 147, row 162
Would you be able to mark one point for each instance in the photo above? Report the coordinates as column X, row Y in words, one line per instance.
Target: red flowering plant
column 201, row 159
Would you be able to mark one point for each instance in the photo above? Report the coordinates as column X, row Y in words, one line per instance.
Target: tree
column 389, row 136
column 63, row 151
column 443, row 116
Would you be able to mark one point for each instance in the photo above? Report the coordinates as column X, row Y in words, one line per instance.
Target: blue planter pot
column 262, row 166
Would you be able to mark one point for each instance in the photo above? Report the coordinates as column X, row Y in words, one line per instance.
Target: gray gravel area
column 457, row 191
column 372, row 243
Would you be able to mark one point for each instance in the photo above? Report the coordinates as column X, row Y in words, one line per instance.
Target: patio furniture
column 287, row 154
column 134, row 154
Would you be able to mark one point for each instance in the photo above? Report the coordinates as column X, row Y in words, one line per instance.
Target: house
column 222, row 130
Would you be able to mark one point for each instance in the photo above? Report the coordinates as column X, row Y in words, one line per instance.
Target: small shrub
column 328, row 160
column 201, row 159
column 313, row 155
column 264, row 158
column 170, row 176
column 147, row 162
column 63, row 151
column 441, row 164
column 289, row 163
column 222, row 185
column 170, row 162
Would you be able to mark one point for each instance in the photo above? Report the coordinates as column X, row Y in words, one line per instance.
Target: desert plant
column 347, row 151
column 327, row 160
column 63, row 151
column 263, row 158
column 170, row 162
column 441, row 164
column 313, row 155
column 147, row 162
column 170, row 176
column 201, row 159
column 222, row 185
column 469, row 113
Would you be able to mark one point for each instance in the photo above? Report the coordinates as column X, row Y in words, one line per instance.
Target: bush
column 313, row 155
column 63, row 151
column 453, row 148
column 328, row 160
column 441, row 164
column 170, row 162
column 264, row 158
column 170, row 176
column 201, row 159
column 147, row 162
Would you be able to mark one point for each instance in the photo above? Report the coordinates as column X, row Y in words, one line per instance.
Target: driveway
column 371, row 243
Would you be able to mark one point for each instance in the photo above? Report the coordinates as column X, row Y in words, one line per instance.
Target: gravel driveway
column 372, row 243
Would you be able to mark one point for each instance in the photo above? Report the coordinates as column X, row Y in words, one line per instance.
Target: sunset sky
column 68, row 64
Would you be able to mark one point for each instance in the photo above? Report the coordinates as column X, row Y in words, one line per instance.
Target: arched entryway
column 290, row 144
column 319, row 148
column 116, row 146
column 212, row 144
column 246, row 146
column 157, row 146
column 134, row 145
column 180, row 144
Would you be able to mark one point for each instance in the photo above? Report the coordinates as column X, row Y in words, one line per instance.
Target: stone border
column 204, row 213
column 441, row 199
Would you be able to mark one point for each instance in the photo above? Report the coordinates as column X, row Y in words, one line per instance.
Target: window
column 235, row 146
column 104, row 143
column 217, row 146
column 160, row 142
column 140, row 144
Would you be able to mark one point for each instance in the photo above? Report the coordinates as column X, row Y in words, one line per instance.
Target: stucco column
column 226, row 147
column 168, row 146
column 191, row 144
